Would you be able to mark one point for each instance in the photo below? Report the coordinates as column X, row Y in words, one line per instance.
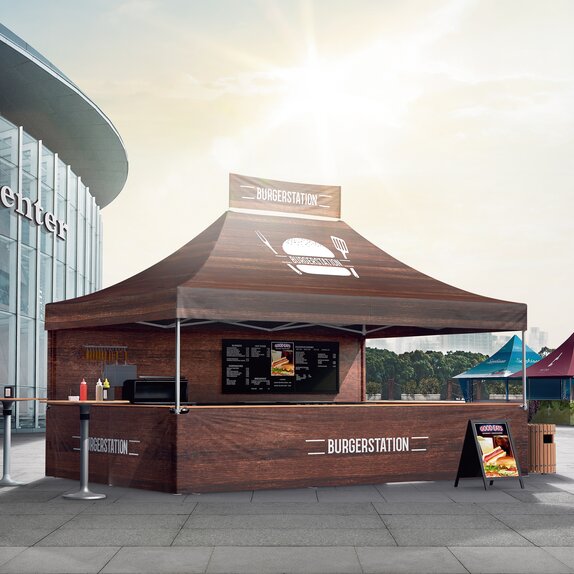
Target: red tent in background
column 551, row 378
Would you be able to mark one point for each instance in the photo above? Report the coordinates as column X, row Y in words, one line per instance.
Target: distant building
column 536, row 339
column 485, row 343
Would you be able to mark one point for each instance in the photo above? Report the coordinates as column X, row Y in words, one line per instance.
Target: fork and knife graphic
column 341, row 245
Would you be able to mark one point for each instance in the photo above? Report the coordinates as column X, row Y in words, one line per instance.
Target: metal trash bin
column 541, row 448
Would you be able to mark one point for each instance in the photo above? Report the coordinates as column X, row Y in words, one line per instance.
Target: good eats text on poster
column 497, row 453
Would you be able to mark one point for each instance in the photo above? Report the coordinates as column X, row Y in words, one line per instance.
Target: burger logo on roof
column 306, row 256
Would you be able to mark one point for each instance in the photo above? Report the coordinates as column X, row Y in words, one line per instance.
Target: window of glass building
column 30, row 155
column 7, row 274
column 47, row 168
column 8, row 142
column 7, row 348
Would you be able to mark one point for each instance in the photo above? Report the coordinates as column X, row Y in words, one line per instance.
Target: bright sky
column 448, row 124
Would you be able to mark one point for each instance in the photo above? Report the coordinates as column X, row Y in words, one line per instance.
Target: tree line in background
column 417, row 372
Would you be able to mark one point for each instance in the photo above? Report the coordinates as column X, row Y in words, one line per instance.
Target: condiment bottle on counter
column 99, row 391
column 83, row 390
column 106, row 389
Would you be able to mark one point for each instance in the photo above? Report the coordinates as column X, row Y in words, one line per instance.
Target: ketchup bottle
column 83, row 390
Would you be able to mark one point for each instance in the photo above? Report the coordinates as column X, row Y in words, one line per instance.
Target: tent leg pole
column 177, row 364
column 524, row 401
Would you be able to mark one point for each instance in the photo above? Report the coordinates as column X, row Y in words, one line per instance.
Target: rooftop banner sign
column 247, row 192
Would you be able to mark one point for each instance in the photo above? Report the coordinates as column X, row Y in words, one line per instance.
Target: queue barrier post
column 7, row 480
column 84, row 493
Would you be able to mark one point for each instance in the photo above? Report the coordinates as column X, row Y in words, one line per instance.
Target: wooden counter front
column 227, row 448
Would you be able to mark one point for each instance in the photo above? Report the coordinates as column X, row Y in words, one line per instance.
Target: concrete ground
column 422, row 527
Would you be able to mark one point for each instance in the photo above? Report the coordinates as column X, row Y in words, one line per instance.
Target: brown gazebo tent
column 278, row 273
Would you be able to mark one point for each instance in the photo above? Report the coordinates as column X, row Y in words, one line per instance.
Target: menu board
column 496, row 450
column 255, row 366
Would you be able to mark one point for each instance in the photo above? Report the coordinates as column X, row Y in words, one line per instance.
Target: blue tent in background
column 500, row 366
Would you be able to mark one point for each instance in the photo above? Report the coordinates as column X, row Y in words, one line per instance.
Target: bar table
column 7, row 406
column 84, row 407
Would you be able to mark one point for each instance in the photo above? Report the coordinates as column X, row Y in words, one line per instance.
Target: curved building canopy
column 35, row 94
column 274, row 272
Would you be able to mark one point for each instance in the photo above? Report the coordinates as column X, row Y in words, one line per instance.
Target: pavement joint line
column 457, row 559
column 209, row 560
column 52, row 532
column 359, row 560
column 111, row 558
column 513, row 529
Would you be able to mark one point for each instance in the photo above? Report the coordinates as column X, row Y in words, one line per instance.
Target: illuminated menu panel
column 255, row 366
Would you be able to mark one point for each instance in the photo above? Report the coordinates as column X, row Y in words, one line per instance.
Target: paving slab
column 125, row 521
column 59, row 561
column 550, row 497
column 159, row 560
column 123, row 507
column 102, row 537
column 27, row 521
column 7, row 553
column 51, row 483
column 503, row 560
column 243, row 496
column 401, row 492
column 349, row 494
column 35, row 509
column 230, row 560
column 15, row 494
column 423, row 560
column 300, row 537
column 281, row 508
column 27, row 537
column 462, row 521
column 285, row 521
column 564, row 554
column 134, row 494
column 458, row 537
column 525, row 509
column 540, row 521
column 449, row 508
column 478, row 494
column 548, row 536
column 286, row 495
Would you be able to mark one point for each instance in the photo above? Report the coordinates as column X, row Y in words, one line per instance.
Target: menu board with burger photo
column 488, row 452
column 257, row 366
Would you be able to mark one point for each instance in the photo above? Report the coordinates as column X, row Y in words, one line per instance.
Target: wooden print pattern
column 228, row 448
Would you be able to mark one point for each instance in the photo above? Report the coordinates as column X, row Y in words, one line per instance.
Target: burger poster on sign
column 496, row 450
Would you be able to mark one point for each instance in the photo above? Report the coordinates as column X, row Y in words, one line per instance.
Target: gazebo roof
column 277, row 272
column 503, row 363
column 559, row 363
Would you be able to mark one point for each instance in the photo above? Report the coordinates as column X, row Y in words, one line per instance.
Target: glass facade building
column 37, row 265
column 54, row 180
